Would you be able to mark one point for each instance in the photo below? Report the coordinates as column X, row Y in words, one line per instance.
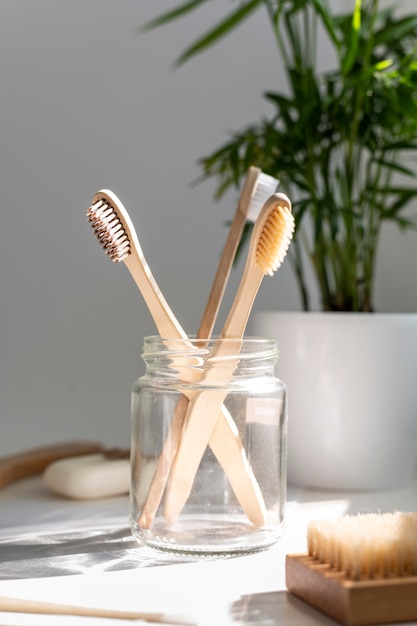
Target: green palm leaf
column 169, row 16
column 221, row 29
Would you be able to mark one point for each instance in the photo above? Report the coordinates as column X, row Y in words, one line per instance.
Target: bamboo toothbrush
column 268, row 246
column 116, row 233
column 360, row 569
column 255, row 191
column 19, row 605
column 114, row 230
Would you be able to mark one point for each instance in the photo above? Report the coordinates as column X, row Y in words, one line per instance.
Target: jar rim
column 249, row 347
column 249, row 339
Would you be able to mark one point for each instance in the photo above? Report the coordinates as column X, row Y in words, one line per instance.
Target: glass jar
column 208, row 457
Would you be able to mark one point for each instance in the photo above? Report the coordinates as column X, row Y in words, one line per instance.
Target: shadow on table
column 62, row 554
column 276, row 608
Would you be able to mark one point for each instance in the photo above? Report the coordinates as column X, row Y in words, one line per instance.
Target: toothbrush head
column 273, row 233
column 111, row 225
column 265, row 186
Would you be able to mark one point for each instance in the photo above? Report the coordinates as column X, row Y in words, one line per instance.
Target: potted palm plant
column 340, row 142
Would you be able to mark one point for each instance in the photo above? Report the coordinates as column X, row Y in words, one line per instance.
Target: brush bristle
column 370, row 546
column 275, row 239
column 265, row 186
column 109, row 230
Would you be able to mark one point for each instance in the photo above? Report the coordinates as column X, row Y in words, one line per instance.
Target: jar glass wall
column 208, row 458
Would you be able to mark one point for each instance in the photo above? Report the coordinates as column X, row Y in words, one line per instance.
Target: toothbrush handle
column 34, row 461
column 201, row 419
column 227, row 446
column 222, row 276
column 229, row 252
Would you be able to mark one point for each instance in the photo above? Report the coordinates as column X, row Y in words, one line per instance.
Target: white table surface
column 82, row 553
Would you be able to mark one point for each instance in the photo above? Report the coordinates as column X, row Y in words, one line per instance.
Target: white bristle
column 371, row 546
column 109, row 230
column 265, row 186
column 274, row 240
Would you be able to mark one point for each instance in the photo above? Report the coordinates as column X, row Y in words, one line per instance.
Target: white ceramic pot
column 352, row 396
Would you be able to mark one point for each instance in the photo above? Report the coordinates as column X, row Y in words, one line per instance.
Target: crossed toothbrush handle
column 200, row 426
column 226, row 445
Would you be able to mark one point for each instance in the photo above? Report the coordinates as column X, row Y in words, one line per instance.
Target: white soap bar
column 88, row 477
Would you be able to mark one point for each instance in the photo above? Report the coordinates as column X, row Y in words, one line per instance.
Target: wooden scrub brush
column 360, row 569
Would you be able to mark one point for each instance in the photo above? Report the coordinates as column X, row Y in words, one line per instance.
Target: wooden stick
column 17, row 605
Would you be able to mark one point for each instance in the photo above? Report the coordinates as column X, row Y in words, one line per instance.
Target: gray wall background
column 87, row 103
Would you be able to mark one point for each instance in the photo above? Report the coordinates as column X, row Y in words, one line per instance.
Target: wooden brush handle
column 35, row 460
column 227, row 446
column 17, row 605
column 199, row 428
column 204, row 407
column 228, row 254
